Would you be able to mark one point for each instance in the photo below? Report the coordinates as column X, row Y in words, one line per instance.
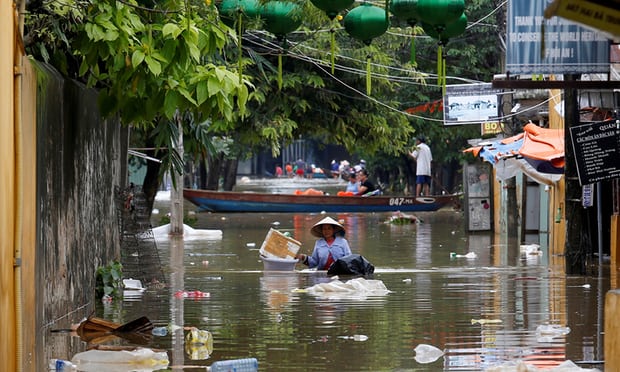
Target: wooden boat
column 228, row 201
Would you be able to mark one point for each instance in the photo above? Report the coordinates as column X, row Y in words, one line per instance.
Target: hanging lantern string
column 439, row 64
column 413, row 45
column 239, row 35
column 368, row 75
column 443, row 74
column 333, row 49
column 283, row 51
column 279, row 71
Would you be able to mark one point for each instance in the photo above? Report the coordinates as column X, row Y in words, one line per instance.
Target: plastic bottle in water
column 160, row 331
column 235, row 365
column 61, row 365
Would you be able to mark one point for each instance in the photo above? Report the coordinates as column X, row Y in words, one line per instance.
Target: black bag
column 353, row 264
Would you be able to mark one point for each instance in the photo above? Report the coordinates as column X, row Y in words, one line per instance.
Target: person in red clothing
column 330, row 246
column 289, row 170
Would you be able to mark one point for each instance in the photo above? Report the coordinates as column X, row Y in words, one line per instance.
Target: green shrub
column 109, row 280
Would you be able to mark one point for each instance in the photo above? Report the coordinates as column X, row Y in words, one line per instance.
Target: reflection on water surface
column 480, row 311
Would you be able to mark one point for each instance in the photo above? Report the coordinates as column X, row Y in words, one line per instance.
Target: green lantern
column 440, row 13
column 451, row 30
column 407, row 10
column 366, row 22
column 332, row 7
column 281, row 17
column 231, row 9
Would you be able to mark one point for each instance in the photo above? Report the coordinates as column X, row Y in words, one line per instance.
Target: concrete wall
column 80, row 158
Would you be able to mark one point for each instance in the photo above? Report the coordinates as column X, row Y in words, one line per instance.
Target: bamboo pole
column 612, row 330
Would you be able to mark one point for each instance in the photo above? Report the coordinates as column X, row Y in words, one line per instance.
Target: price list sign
column 597, row 151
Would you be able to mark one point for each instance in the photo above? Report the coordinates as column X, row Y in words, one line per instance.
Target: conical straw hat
column 316, row 229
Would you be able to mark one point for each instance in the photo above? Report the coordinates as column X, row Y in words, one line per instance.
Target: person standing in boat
column 330, row 246
column 423, row 158
column 366, row 186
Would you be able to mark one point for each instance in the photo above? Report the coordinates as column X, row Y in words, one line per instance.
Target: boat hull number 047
column 401, row 201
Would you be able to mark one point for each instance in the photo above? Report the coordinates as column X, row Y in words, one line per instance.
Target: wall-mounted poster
column 560, row 47
column 470, row 104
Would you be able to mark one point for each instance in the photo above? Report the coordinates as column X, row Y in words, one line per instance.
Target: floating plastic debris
column 133, row 284
column 585, row 286
column 399, row 218
column 251, row 244
column 160, row 331
column 469, row 255
column 425, row 353
column 237, row 365
column 548, row 332
column 520, row 366
column 61, row 365
column 162, row 233
column 533, row 249
column 407, row 280
column 486, row 321
column 121, row 360
column 355, row 337
column 191, row 294
column 198, row 344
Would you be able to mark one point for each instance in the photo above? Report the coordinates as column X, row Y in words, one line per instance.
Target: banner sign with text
column 566, row 47
column 470, row 104
column 597, row 151
column 600, row 14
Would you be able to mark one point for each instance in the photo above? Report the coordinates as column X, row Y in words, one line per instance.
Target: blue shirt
column 353, row 187
column 338, row 249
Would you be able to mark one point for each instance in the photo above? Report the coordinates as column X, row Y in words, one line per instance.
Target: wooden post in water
column 612, row 330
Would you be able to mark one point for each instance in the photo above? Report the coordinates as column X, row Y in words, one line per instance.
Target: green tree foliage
column 158, row 64
column 153, row 64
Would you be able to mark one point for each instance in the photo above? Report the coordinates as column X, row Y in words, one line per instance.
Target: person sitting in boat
column 353, row 185
column 366, row 188
column 330, row 246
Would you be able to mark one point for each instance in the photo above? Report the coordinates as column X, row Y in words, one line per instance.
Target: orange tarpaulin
column 537, row 152
column 309, row 191
column 543, row 144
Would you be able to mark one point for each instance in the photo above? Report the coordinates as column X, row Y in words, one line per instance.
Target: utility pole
column 578, row 243
column 176, row 194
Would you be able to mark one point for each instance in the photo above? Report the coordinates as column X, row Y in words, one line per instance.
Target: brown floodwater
column 482, row 311
column 496, row 306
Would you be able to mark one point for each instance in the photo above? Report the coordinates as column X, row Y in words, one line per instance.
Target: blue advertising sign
column 566, row 47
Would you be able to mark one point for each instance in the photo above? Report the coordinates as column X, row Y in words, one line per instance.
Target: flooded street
column 481, row 303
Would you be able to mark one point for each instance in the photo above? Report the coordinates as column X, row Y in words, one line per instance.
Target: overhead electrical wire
column 420, row 78
column 324, row 66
